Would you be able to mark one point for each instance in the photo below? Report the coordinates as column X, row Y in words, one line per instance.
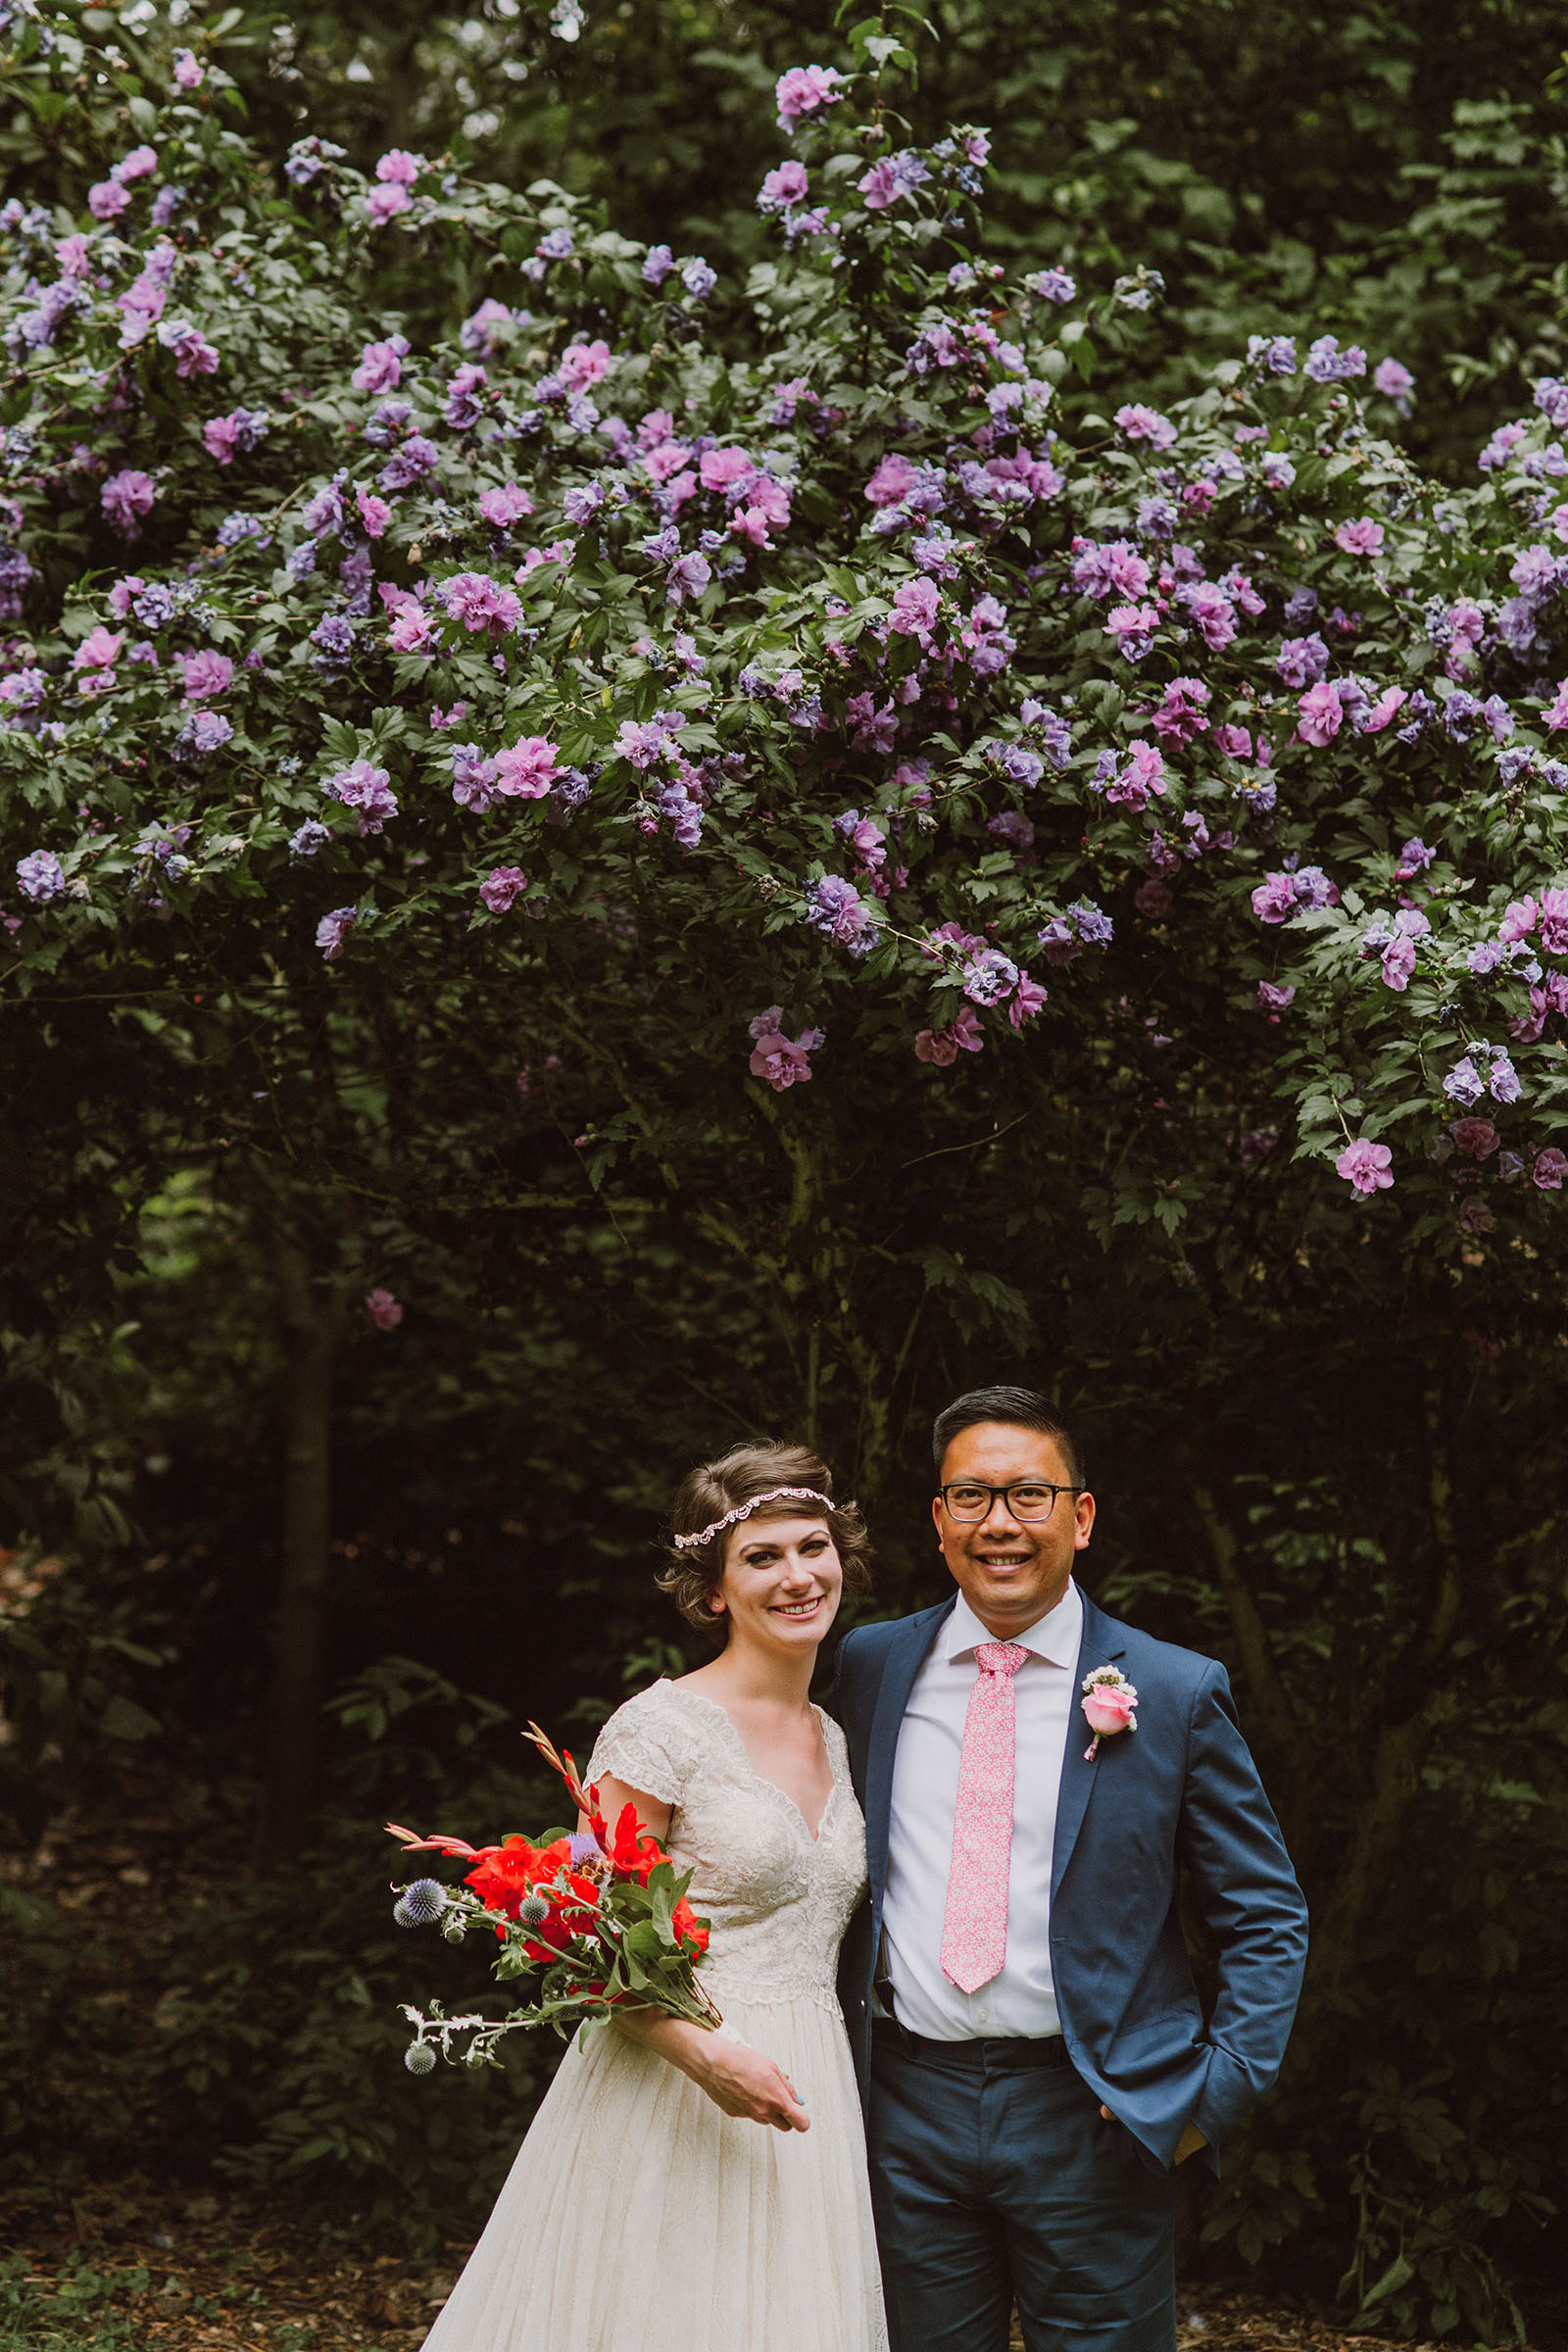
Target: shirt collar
column 1055, row 1635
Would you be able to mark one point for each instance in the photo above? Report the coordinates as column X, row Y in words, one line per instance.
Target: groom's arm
column 1248, row 1895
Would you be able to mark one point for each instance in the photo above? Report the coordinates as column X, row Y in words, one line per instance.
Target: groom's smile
column 1011, row 1564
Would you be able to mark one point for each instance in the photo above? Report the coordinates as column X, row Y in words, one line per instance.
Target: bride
column 682, row 2190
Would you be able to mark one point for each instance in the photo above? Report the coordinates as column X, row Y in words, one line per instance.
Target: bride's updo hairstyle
column 712, row 1489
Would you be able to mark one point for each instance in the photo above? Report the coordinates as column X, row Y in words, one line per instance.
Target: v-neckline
column 812, row 1837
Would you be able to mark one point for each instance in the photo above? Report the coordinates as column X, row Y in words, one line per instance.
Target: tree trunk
column 311, row 1312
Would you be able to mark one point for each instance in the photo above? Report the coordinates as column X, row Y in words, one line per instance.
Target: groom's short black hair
column 1025, row 1408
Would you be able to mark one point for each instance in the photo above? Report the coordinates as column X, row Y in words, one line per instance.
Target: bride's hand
column 744, row 2083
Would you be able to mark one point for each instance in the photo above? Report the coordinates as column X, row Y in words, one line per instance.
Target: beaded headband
column 744, row 1510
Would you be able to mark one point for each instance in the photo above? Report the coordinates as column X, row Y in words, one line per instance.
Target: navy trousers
column 995, row 2179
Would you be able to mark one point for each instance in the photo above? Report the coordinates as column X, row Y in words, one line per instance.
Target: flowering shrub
column 846, row 614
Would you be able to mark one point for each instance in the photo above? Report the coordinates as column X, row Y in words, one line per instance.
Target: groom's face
column 1011, row 1571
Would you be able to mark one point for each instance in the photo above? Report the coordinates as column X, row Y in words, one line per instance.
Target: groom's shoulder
column 1167, row 1661
column 865, row 1647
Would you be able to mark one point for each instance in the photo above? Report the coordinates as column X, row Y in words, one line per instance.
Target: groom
column 1030, row 2043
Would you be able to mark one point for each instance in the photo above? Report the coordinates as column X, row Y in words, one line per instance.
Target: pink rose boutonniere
column 1109, row 1702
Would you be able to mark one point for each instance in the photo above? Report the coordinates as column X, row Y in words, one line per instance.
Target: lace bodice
column 777, row 1901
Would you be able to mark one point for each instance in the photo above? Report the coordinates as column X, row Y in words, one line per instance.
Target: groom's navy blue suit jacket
column 1183, row 1787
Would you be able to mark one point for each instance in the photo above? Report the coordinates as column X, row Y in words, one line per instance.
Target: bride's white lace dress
column 638, row 2216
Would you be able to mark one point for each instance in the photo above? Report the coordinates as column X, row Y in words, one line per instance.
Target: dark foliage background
column 1339, row 1470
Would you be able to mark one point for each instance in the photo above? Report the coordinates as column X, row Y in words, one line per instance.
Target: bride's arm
column 735, row 2078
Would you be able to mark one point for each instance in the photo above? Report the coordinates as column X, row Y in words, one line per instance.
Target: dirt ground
column 222, row 2273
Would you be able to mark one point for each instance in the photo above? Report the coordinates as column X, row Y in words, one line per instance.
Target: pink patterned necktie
column 974, row 1930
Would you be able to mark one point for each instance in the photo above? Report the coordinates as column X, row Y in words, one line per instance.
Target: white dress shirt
column 1021, row 2000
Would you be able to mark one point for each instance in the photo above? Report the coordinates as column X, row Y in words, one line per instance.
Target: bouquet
column 591, row 1919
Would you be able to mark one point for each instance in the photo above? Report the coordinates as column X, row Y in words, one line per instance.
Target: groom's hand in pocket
column 744, row 2083
column 1192, row 2139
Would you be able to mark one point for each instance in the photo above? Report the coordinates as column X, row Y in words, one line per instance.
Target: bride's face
column 782, row 1584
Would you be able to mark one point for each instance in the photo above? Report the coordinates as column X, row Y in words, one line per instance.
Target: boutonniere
column 1109, row 1702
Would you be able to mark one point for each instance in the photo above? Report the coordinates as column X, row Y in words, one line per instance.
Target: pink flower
column 1275, row 997
column 189, row 73
column 1028, row 998
column 479, row 604
column 206, row 674
column 1109, row 1709
column 98, row 650
column 1366, row 1165
column 501, row 886
column 529, row 769
column 398, row 168
column 380, row 368
column 1553, row 922
column 410, row 631
column 785, row 185
column 136, row 166
column 805, row 88
column 1276, row 900
column 583, row 363
column 1557, row 714
column 1385, row 710
column 506, row 506
column 942, row 1047
column 916, row 603
column 893, row 481
column 121, row 592
column 382, row 203
column 1143, row 776
column 750, row 524
column 221, row 438
column 1364, row 537
column 73, row 253
column 1213, row 612
column 1139, row 423
column 1477, row 1139
column 1392, row 379
column 383, row 1309
column 374, row 512
column 1199, row 497
column 107, row 200
column 1559, row 523
column 1321, row 714
column 1548, row 1169
column 781, row 1061
column 1235, row 742
column 724, row 469
column 1133, row 626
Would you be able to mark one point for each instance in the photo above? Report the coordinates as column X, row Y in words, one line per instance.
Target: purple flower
column 1392, row 379
column 835, row 908
column 687, row 576
column 988, row 977
column 1275, row 898
column 333, row 929
column 368, row 789
column 380, row 368
column 1275, row 354
column 41, row 876
column 1051, row 285
column 657, row 267
column 1302, row 660
column 697, row 278
column 464, row 407
column 1274, row 998
column 204, row 732
column 125, row 497
column 309, row 838
column 1552, row 399
column 409, row 465
column 683, row 813
column 501, row 886
column 1327, row 363
column 1463, row 1083
column 473, row 778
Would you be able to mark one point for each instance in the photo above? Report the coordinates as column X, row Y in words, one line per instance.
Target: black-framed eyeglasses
column 1029, row 1500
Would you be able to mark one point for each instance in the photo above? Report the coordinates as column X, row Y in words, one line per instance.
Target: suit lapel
column 905, row 1655
column 1102, row 1641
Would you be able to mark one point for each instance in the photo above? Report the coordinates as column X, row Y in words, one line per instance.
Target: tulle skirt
column 640, row 2217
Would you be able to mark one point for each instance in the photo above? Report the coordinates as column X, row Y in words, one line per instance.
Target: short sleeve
column 647, row 1745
